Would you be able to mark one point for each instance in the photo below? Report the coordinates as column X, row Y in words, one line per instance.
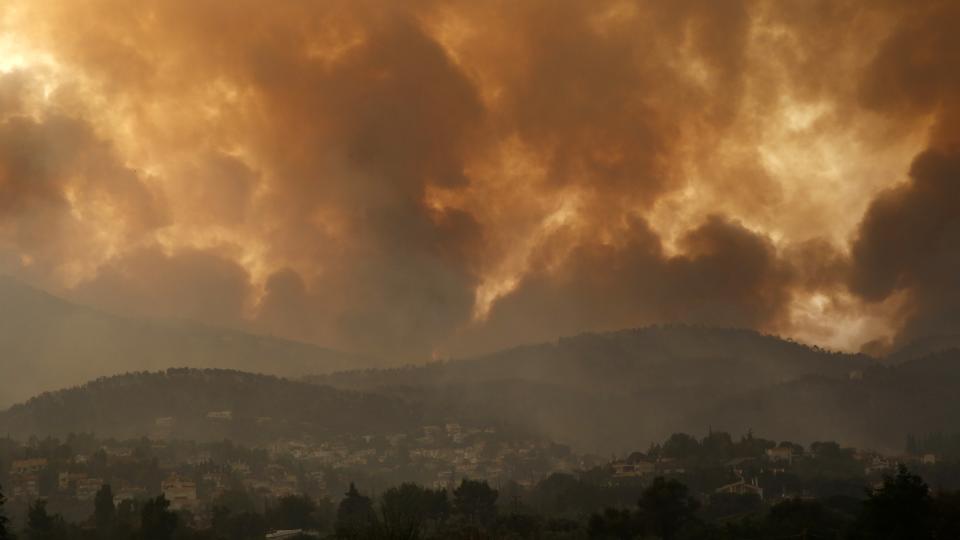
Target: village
column 193, row 476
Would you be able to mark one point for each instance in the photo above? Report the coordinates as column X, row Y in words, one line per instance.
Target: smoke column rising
column 451, row 177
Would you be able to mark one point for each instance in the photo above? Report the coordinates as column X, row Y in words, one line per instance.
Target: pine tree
column 356, row 518
column 105, row 512
column 40, row 524
column 4, row 522
column 157, row 521
column 912, row 446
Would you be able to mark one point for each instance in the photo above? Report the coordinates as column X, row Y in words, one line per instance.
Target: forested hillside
column 47, row 343
column 612, row 391
column 598, row 393
column 206, row 405
column 878, row 410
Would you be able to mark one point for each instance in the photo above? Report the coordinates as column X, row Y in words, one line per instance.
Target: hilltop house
column 780, row 454
column 26, row 487
column 129, row 493
column 66, row 479
column 28, row 466
column 741, row 487
column 87, row 488
column 181, row 493
column 220, row 415
column 291, row 533
column 635, row 465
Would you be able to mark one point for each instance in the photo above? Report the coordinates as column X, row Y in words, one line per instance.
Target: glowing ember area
column 449, row 178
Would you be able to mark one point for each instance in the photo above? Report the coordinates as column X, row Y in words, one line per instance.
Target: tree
column 796, row 449
column 826, row 449
column 236, row 500
column 105, row 512
column 294, row 512
column 39, row 522
column 912, row 447
column 43, row 526
column 901, row 509
column 407, row 509
column 355, row 516
column 4, row 522
column 127, row 513
column 797, row 517
column 246, row 525
column 613, row 524
column 681, row 446
column 476, row 503
column 717, row 445
column 947, row 507
column 665, row 507
column 520, row 525
column 157, row 522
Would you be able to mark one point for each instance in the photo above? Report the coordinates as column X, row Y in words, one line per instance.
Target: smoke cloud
column 442, row 178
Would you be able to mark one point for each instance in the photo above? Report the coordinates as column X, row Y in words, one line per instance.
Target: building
column 26, row 487
column 163, row 427
column 670, row 466
column 66, row 479
column 291, row 533
column 780, row 454
column 740, row 465
column 122, row 452
column 878, row 464
column 87, row 488
column 220, row 415
column 181, row 493
column 129, row 493
column 634, row 466
column 28, row 466
column 741, row 487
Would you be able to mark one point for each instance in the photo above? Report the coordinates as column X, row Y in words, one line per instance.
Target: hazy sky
column 428, row 178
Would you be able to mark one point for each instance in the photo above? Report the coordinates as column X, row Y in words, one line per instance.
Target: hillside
column 623, row 404
column 879, row 410
column 613, row 391
column 628, row 360
column 261, row 407
column 48, row 343
column 924, row 346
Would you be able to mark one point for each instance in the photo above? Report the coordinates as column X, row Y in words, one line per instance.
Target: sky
column 431, row 178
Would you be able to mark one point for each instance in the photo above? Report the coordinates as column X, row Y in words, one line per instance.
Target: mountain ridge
column 875, row 407
column 259, row 407
column 50, row 343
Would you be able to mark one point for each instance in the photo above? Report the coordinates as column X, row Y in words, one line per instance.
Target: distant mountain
column 598, row 393
column 612, row 391
column 48, row 343
column 878, row 410
column 206, row 405
column 924, row 346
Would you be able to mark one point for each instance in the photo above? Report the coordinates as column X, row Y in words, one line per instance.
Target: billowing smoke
column 450, row 177
column 909, row 240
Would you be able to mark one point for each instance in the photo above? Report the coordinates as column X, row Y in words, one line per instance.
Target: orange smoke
column 461, row 176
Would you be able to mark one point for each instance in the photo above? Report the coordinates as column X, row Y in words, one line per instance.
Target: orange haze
column 421, row 178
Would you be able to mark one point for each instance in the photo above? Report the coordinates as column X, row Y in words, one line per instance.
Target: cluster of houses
column 746, row 472
column 435, row 455
column 25, row 482
column 442, row 454
column 190, row 478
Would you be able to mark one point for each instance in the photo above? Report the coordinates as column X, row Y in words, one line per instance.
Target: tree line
column 902, row 508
